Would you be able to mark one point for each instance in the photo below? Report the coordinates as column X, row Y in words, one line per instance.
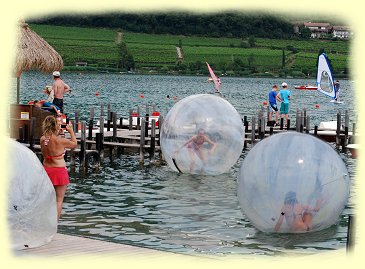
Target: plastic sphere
column 32, row 213
column 202, row 134
column 292, row 183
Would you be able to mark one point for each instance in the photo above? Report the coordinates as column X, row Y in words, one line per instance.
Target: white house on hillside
column 318, row 29
column 341, row 32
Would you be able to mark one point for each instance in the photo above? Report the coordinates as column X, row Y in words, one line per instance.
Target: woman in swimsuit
column 53, row 150
column 194, row 146
column 298, row 216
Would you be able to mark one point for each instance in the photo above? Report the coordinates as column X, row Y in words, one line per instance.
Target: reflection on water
column 152, row 206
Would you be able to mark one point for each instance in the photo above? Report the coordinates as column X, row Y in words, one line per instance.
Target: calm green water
column 152, row 206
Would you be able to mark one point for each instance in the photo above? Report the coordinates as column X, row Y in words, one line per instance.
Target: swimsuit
column 196, row 143
column 49, row 157
column 57, row 175
column 58, row 102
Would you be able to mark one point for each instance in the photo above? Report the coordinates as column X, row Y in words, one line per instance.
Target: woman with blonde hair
column 53, row 149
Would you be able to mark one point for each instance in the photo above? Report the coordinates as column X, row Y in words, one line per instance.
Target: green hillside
column 157, row 53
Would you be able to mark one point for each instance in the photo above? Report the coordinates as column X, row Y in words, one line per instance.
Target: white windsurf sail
column 325, row 79
column 216, row 80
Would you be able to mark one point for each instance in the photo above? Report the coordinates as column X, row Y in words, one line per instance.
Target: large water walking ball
column 32, row 213
column 202, row 134
column 292, row 183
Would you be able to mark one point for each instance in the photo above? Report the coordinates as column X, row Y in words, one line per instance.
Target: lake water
column 152, row 206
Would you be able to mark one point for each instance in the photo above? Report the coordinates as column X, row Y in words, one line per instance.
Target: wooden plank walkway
column 67, row 245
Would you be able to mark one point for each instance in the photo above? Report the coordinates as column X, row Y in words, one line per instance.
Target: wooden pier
column 69, row 246
column 139, row 135
column 63, row 245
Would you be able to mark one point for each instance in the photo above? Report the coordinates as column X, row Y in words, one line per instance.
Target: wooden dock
column 63, row 245
column 69, row 246
column 139, row 135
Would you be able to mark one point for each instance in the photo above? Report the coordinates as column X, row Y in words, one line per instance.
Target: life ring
column 92, row 159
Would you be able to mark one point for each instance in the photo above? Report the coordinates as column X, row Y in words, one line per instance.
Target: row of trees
column 213, row 25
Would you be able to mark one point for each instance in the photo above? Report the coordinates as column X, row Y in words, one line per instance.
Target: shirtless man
column 59, row 88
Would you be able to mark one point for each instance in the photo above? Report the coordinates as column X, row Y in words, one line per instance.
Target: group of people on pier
column 283, row 96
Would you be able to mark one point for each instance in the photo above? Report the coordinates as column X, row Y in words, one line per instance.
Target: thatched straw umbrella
column 34, row 53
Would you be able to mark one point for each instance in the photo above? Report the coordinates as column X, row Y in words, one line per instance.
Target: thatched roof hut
column 34, row 53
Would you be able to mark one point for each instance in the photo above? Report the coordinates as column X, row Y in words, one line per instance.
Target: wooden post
column 253, row 123
column 245, row 123
column 160, row 122
column 315, row 130
column 297, row 121
column 146, row 123
column 141, row 143
column 91, row 123
column 301, row 122
column 346, row 127
column 350, row 234
column 21, row 135
column 288, row 125
column 108, row 121
column 114, row 115
column 102, row 110
column 281, row 123
column 82, row 154
column 72, row 159
column 352, row 138
column 76, row 129
column 271, row 130
column 338, row 129
column 101, row 125
column 305, row 117
column 102, row 138
column 31, row 132
column 262, row 134
column 147, row 109
column 138, row 118
column 109, row 115
column 307, row 126
column 26, row 138
column 153, row 139
column 130, row 119
column 100, row 145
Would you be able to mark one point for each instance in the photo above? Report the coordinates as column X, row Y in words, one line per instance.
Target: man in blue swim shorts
column 284, row 96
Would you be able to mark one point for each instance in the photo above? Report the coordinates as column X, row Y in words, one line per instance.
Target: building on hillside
column 318, row 29
column 342, row 32
column 81, row 63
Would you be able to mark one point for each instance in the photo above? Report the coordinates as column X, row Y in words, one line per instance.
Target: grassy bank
column 157, row 53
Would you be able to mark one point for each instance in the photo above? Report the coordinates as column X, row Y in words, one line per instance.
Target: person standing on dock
column 53, row 149
column 59, row 88
column 272, row 105
column 284, row 96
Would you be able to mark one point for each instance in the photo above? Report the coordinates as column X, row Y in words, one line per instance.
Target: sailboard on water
column 325, row 80
column 216, row 80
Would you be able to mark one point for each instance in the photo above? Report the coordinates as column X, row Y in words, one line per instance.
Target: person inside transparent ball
column 195, row 147
column 298, row 216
